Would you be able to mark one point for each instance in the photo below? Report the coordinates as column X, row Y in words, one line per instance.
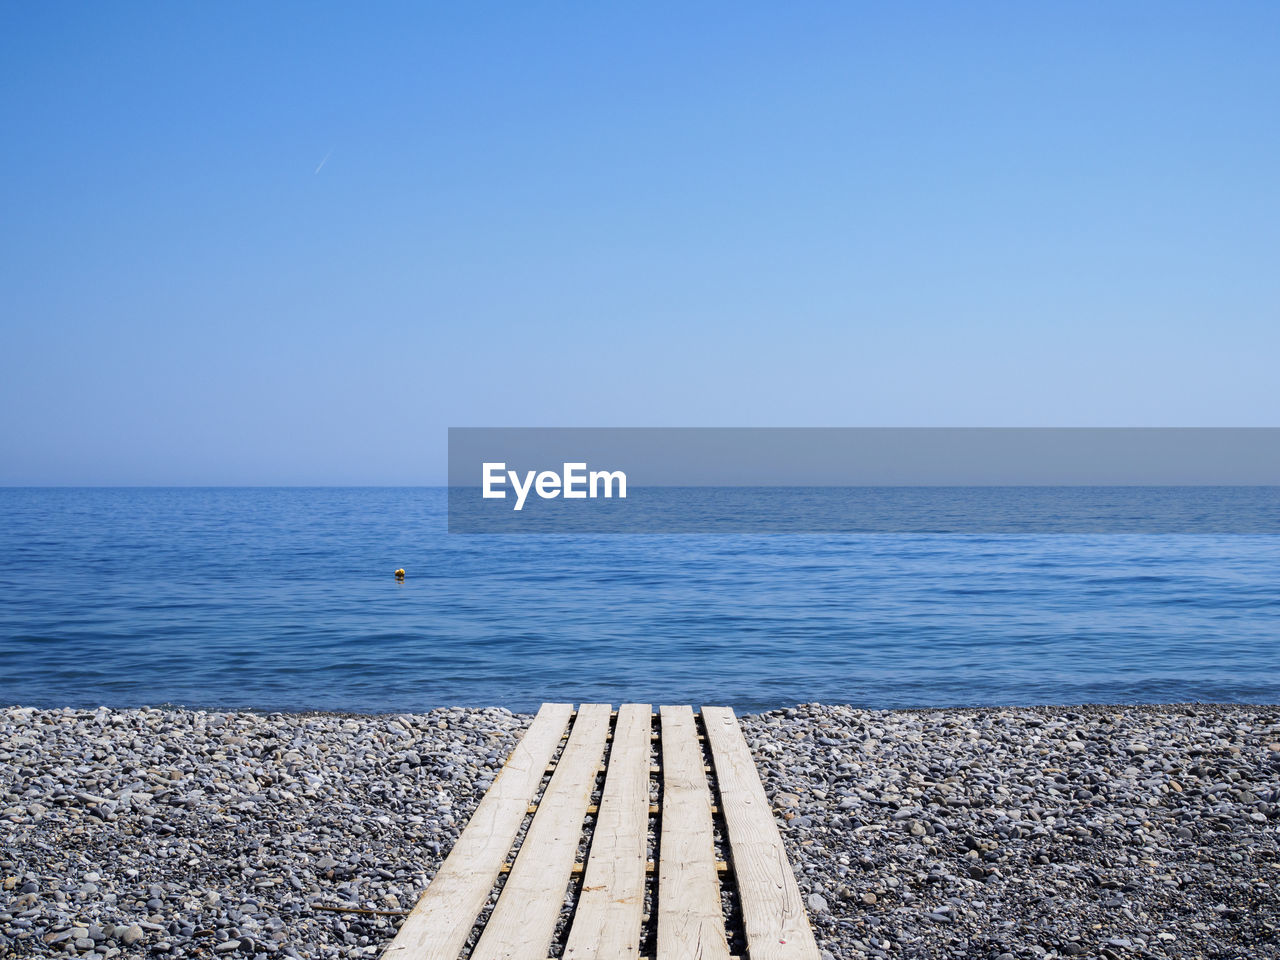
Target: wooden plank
column 610, row 910
column 524, row 919
column 438, row 926
column 772, row 908
column 690, row 917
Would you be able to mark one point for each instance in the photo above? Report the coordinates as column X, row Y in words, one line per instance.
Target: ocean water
column 284, row 599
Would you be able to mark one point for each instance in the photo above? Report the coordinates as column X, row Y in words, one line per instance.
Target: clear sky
column 292, row 243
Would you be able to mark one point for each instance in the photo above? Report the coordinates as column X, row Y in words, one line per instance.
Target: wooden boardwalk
column 707, row 791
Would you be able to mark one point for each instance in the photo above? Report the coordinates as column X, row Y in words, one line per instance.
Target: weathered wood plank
column 690, row 917
column 772, row 908
column 438, row 926
column 524, row 919
column 610, row 910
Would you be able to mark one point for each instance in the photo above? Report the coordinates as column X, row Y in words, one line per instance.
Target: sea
column 284, row 599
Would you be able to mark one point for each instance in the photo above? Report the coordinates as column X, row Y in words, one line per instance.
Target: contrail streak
column 324, row 161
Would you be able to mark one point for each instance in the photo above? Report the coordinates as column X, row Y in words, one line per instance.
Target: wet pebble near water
column 1110, row 832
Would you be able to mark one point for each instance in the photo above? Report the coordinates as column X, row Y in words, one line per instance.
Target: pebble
column 183, row 833
column 1005, row 834
column 1011, row 834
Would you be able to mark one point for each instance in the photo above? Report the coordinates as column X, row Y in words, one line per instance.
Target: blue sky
column 292, row 243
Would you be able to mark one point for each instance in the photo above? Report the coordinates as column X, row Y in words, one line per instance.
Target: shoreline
column 995, row 832
column 1086, row 707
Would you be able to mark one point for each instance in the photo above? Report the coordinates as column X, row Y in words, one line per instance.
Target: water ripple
column 283, row 599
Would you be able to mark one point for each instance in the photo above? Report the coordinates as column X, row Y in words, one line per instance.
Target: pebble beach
column 1109, row 832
